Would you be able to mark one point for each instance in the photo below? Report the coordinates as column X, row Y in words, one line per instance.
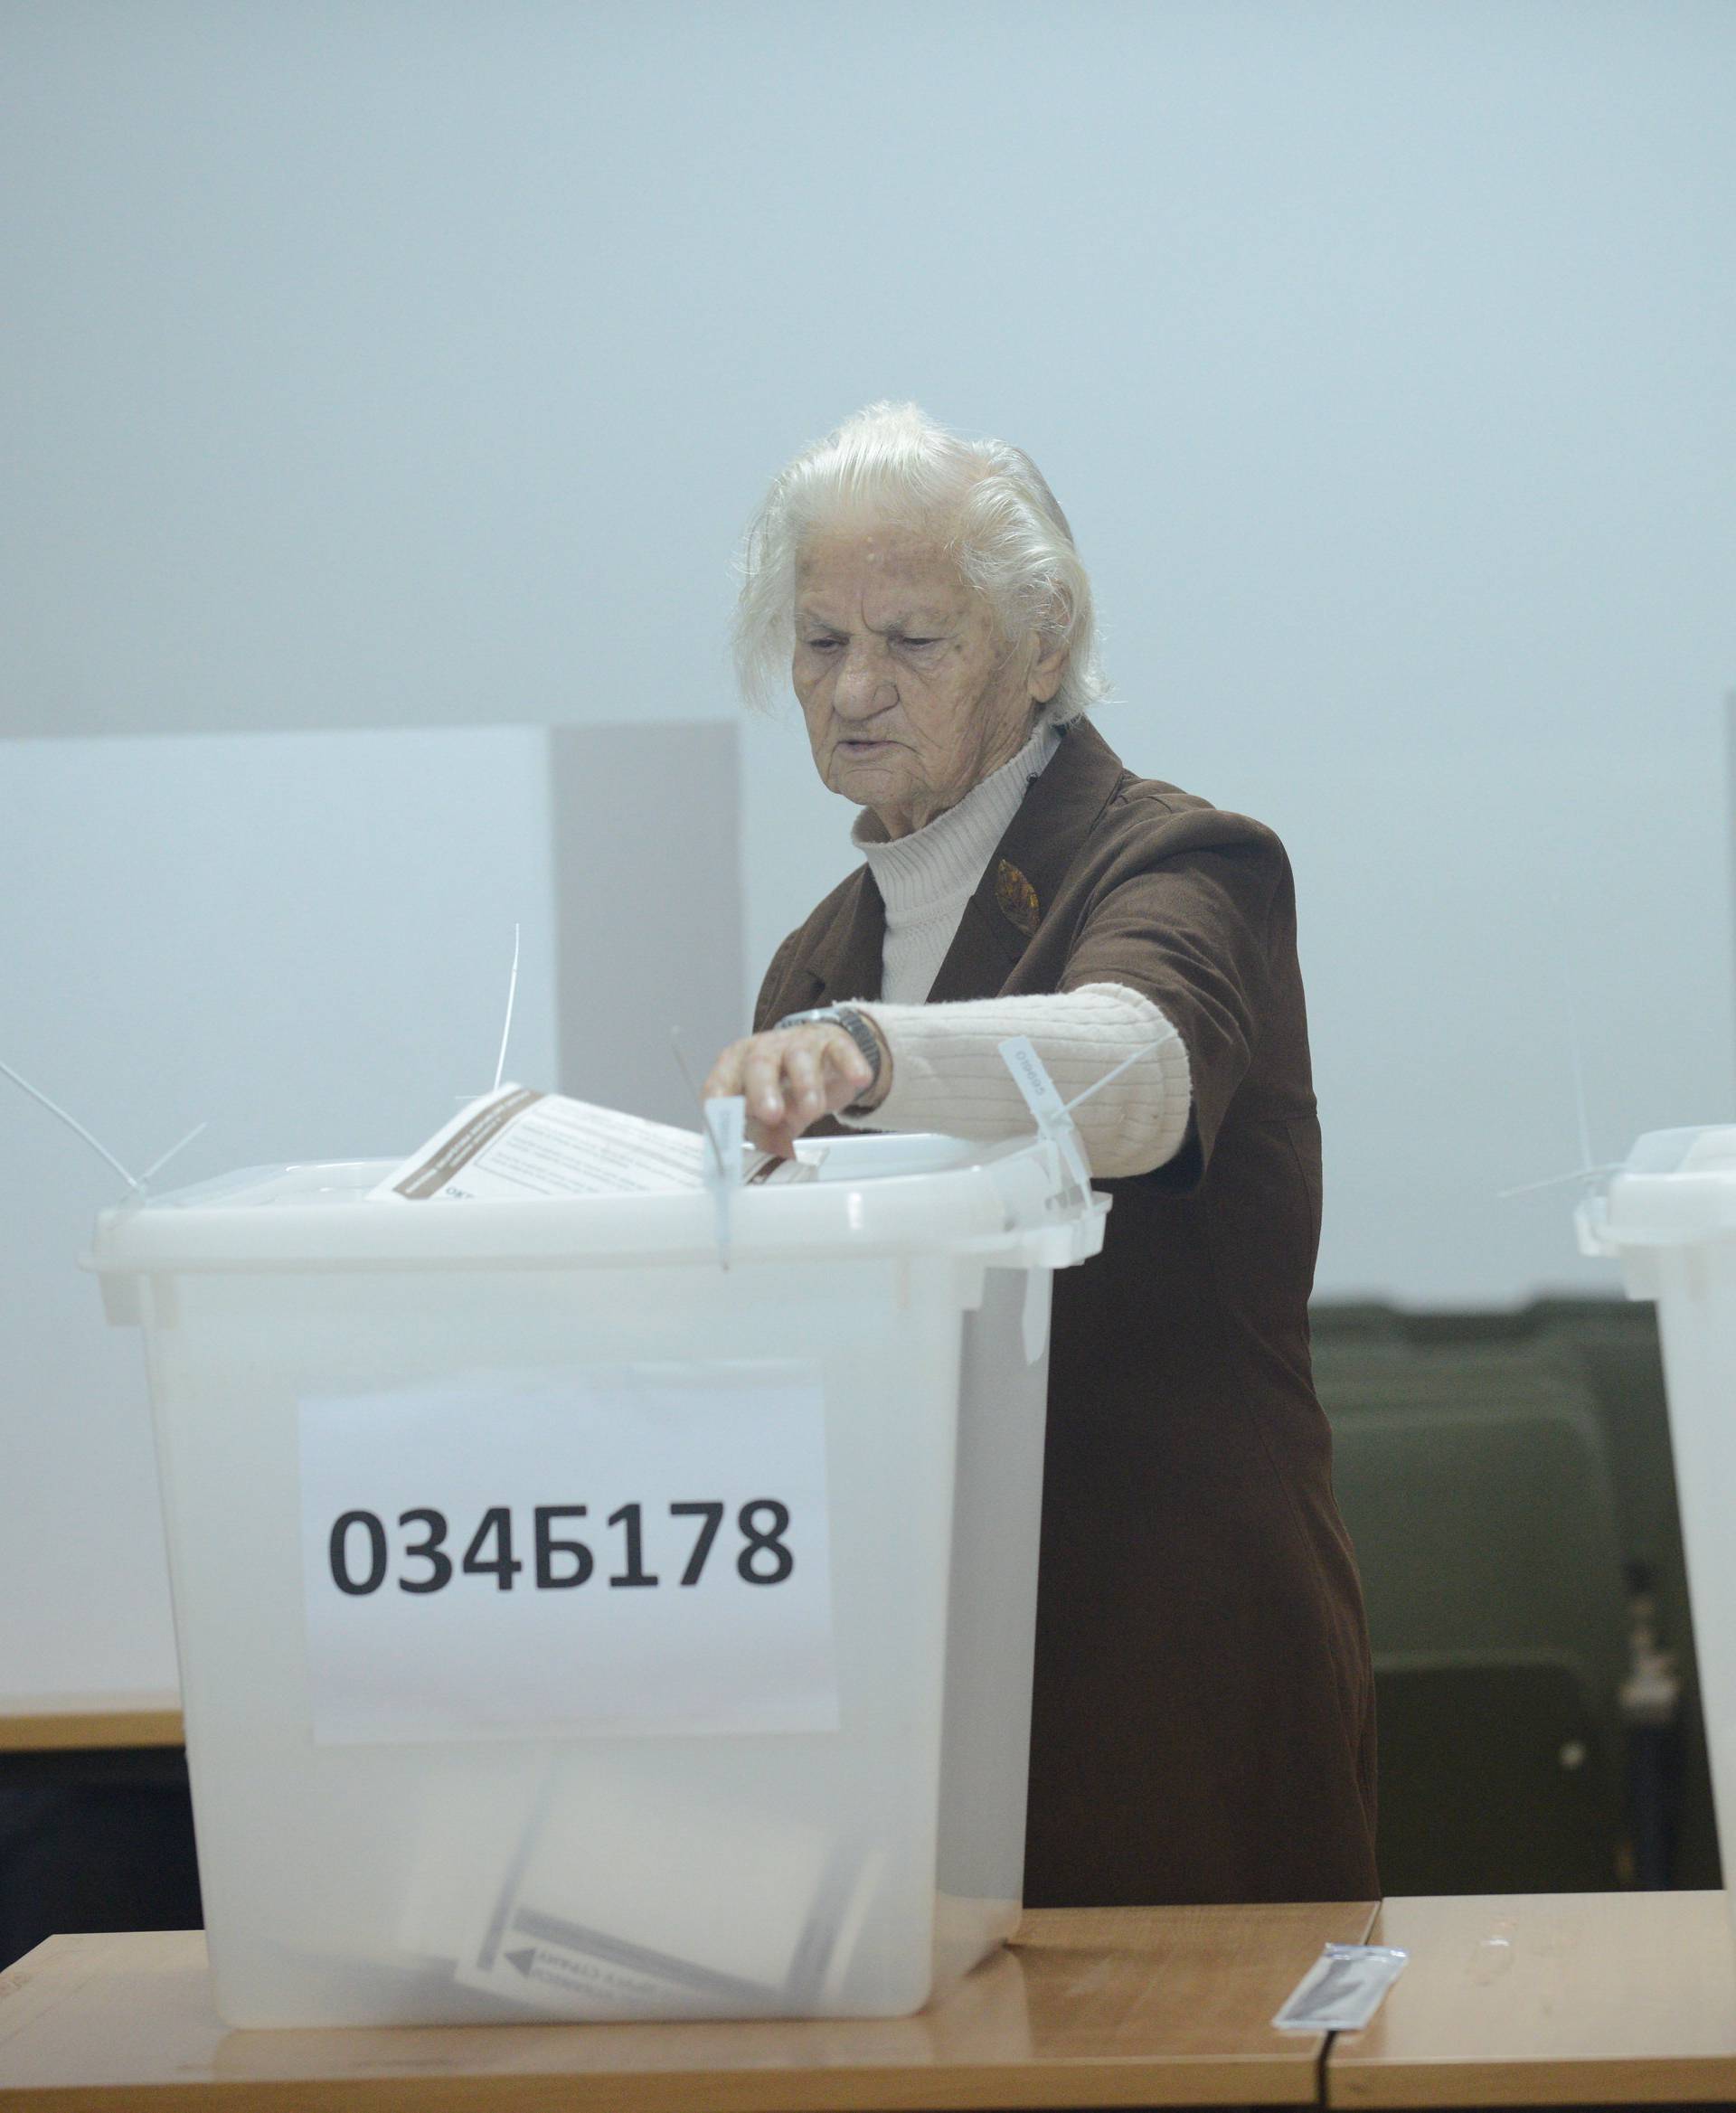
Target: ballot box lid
column 1676, row 1188
column 1010, row 1204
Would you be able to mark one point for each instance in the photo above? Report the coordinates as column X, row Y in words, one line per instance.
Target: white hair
column 987, row 504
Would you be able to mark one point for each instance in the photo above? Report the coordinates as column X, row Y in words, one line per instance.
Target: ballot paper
column 602, row 1892
column 517, row 1143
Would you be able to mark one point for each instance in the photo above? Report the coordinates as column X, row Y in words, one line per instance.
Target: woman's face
column 910, row 694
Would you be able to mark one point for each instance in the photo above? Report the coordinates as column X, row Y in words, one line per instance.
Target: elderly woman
column 1203, row 1721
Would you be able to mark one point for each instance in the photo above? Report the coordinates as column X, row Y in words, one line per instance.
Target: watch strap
column 854, row 1024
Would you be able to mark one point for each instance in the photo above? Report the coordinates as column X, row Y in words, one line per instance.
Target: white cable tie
column 71, row 1122
column 1557, row 1181
column 1109, row 1077
column 173, row 1151
column 1576, row 1059
column 1054, row 1123
column 505, row 1032
column 698, row 1097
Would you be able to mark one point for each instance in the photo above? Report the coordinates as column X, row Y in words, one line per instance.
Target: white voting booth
column 613, row 1607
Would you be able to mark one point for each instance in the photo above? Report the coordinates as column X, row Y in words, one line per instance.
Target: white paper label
column 627, row 1549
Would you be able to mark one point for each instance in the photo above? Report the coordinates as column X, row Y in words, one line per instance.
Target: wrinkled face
column 911, row 693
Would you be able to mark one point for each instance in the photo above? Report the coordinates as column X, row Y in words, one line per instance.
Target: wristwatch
column 854, row 1024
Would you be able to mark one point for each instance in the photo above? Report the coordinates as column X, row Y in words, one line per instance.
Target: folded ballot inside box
column 539, row 1894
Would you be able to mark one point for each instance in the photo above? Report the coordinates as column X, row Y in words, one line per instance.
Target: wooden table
column 1549, row 1999
column 61, row 1723
column 1536, row 2000
column 1104, row 2006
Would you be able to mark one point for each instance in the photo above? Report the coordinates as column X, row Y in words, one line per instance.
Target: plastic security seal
column 1342, row 1989
column 1052, row 1115
column 726, row 1121
column 1056, row 1128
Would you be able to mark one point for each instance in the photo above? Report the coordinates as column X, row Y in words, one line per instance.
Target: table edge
column 80, row 1729
column 1447, row 2080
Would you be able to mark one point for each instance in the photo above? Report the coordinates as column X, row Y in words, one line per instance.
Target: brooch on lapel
column 1016, row 897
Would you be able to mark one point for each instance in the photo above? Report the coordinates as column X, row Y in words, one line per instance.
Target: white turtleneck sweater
column 947, row 1068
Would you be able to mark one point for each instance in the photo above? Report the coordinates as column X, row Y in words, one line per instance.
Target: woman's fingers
column 725, row 1076
column 789, row 1078
column 848, row 1073
column 762, row 1077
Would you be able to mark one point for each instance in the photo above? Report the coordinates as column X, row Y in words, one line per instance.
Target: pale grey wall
column 302, row 940
column 649, row 910
column 380, row 362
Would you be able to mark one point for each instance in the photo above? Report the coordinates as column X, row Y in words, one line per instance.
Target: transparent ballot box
column 587, row 1610
column 1669, row 1216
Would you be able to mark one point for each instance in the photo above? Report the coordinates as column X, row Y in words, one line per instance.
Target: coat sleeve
column 769, row 1005
column 1188, row 925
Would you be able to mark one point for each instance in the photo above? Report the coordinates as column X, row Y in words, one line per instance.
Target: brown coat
column 1203, row 1717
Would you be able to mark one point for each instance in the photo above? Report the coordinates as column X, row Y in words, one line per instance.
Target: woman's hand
column 792, row 1076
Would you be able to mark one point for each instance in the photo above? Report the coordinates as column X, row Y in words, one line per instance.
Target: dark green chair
column 1604, row 1354
column 1477, row 1487
column 1495, row 1777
